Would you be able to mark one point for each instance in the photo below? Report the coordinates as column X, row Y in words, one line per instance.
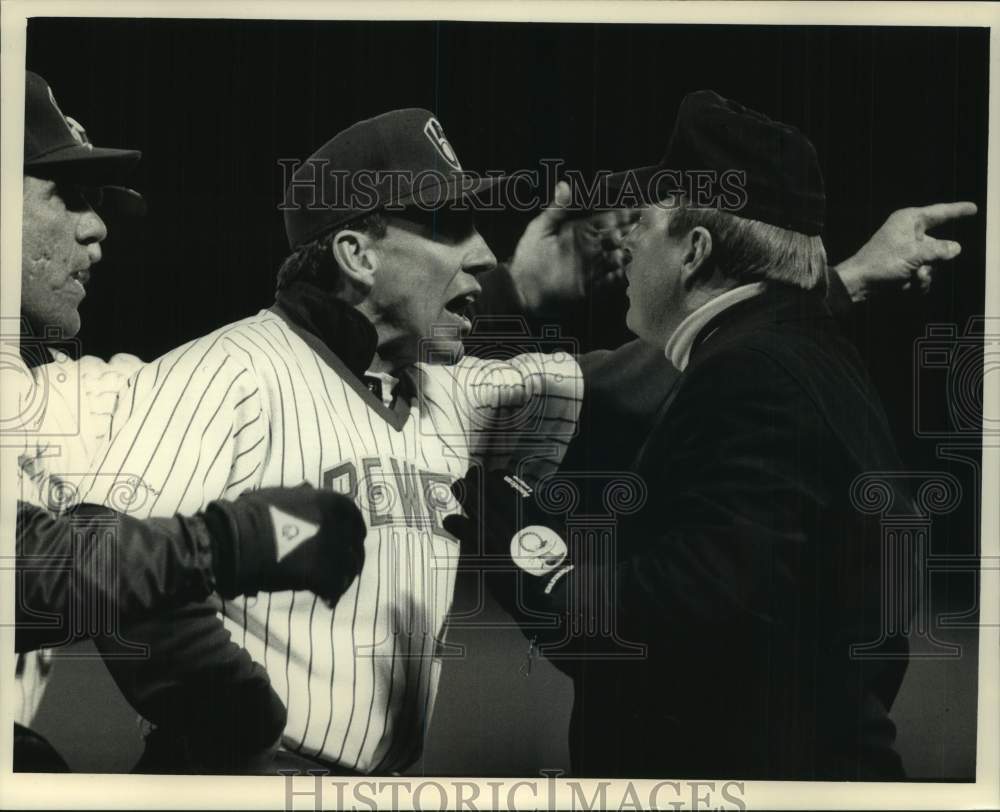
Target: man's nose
column 626, row 244
column 479, row 258
column 91, row 232
column 90, row 228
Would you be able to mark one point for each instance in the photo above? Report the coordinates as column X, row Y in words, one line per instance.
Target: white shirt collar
column 388, row 386
column 678, row 349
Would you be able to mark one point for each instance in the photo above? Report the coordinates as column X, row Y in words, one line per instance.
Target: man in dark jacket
column 712, row 636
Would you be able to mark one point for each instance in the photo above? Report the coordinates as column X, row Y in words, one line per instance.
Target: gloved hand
column 277, row 539
column 504, row 513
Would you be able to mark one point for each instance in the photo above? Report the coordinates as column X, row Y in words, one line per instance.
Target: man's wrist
column 214, row 526
column 852, row 275
column 528, row 291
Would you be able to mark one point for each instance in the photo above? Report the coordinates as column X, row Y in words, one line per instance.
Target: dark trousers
column 34, row 754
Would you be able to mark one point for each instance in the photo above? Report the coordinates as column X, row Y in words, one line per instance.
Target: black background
column 898, row 117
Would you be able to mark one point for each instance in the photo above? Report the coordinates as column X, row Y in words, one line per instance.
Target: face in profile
column 653, row 273
column 60, row 243
column 425, row 284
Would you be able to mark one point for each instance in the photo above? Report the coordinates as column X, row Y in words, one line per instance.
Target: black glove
column 505, row 514
column 277, row 539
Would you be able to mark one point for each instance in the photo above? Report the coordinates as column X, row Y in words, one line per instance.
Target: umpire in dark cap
column 738, row 598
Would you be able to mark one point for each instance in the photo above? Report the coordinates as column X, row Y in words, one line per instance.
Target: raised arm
column 564, row 254
column 901, row 254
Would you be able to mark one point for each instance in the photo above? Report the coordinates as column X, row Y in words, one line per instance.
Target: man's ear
column 696, row 264
column 358, row 260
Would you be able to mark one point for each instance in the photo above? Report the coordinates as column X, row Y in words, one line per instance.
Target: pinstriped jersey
column 262, row 402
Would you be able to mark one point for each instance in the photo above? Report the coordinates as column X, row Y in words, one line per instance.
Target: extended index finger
column 939, row 213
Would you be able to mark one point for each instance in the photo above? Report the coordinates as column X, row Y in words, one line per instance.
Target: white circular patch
column 537, row 549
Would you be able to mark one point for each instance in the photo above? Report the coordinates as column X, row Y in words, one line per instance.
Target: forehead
column 658, row 213
column 60, row 194
column 36, row 185
column 443, row 224
column 42, row 200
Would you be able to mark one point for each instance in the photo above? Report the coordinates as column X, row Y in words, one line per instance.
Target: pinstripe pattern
column 257, row 404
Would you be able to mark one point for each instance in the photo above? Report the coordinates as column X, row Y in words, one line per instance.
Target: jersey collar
column 338, row 325
column 345, row 340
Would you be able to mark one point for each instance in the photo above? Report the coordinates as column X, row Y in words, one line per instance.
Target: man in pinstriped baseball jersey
column 329, row 386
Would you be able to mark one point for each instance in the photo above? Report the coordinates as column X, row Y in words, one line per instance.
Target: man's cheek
column 34, row 274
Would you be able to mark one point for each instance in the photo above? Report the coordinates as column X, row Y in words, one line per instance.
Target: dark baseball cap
column 395, row 160
column 57, row 146
column 735, row 159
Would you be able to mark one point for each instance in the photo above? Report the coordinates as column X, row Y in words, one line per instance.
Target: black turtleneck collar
column 338, row 325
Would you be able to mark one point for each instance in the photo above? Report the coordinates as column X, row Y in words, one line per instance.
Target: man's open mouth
column 82, row 276
column 461, row 308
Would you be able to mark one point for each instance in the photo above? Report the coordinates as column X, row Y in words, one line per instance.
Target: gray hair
column 752, row 251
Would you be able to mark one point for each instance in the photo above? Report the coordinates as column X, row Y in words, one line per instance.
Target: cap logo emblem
column 75, row 127
column 79, row 134
column 53, row 100
column 435, row 134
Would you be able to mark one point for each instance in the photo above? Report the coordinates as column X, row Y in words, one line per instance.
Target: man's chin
column 72, row 326
column 630, row 319
column 53, row 328
column 642, row 331
column 444, row 351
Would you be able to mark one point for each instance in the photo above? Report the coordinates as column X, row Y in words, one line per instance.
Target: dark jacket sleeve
column 181, row 670
column 837, row 297
column 140, row 589
column 624, row 392
column 73, row 568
